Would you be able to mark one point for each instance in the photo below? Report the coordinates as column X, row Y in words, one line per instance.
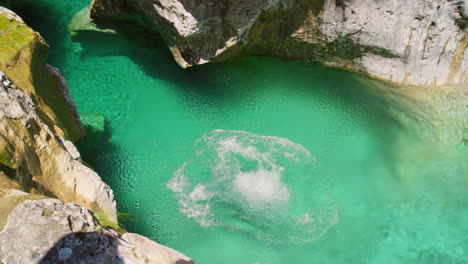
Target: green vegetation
column 14, row 36
column 126, row 218
column 273, row 30
column 7, row 159
column 7, row 153
column 103, row 220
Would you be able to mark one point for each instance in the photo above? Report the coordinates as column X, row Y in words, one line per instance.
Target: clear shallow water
column 259, row 160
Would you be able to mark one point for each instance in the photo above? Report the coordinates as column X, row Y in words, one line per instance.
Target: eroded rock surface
column 421, row 43
column 56, row 232
column 23, row 54
column 40, row 159
column 33, row 135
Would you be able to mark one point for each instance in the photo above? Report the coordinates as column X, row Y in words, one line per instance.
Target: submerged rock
column 98, row 134
column 419, row 43
column 82, row 21
column 95, row 125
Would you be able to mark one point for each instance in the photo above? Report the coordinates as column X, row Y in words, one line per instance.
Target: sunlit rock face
column 56, row 232
column 420, row 43
column 37, row 120
column 23, row 54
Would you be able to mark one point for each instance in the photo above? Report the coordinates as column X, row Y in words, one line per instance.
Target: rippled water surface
column 259, row 160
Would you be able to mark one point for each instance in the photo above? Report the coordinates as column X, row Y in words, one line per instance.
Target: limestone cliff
column 23, row 56
column 38, row 163
column 32, row 132
column 409, row 42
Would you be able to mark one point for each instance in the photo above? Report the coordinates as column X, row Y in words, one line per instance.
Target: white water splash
column 245, row 181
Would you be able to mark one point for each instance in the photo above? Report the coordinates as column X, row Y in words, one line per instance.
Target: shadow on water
column 145, row 47
column 50, row 21
column 217, row 81
column 148, row 50
column 94, row 147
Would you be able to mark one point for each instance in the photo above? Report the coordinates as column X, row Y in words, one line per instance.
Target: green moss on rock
column 14, row 36
column 23, row 54
column 7, row 154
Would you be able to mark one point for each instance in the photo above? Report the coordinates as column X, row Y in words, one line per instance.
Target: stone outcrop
column 420, row 42
column 55, row 232
column 42, row 161
column 39, row 163
column 33, row 135
column 23, row 54
column 11, row 196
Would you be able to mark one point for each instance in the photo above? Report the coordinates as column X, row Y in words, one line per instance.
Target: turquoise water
column 259, row 160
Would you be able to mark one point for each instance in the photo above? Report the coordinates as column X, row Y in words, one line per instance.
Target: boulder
column 55, row 232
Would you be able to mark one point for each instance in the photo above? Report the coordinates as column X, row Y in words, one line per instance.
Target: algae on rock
column 23, row 54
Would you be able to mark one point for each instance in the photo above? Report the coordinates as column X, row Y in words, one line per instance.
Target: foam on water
column 246, row 181
column 261, row 187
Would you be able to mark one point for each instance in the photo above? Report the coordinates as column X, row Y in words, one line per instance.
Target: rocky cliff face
column 38, row 163
column 32, row 133
column 421, row 42
column 23, row 56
